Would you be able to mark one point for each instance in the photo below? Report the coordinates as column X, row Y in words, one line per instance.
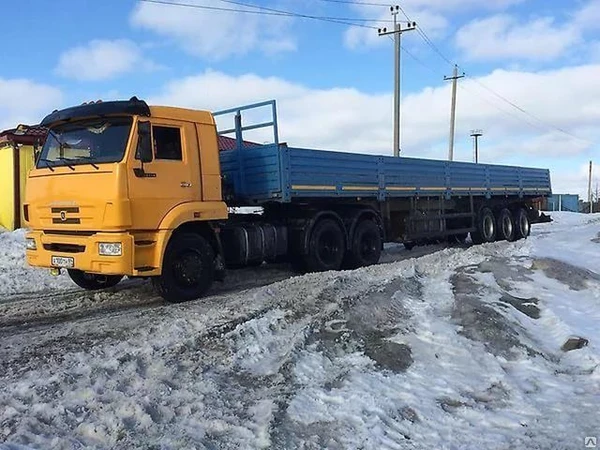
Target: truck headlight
column 30, row 244
column 110, row 248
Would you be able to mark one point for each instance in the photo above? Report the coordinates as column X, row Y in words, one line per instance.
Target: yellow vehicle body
column 71, row 208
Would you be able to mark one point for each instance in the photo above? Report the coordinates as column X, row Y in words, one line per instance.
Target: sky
column 532, row 69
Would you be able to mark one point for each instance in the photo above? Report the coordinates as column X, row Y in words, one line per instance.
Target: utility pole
column 590, row 189
column 397, row 32
column 454, row 78
column 476, row 134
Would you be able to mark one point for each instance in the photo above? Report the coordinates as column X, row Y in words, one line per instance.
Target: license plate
column 63, row 261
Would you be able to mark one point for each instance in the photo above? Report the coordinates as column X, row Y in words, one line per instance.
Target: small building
column 18, row 148
column 562, row 202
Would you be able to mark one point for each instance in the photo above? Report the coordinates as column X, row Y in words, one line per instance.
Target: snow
column 442, row 348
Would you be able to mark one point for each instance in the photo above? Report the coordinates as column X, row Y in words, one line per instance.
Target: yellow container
column 16, row 160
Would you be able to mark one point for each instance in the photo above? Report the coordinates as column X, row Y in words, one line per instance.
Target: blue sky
column 333, row 82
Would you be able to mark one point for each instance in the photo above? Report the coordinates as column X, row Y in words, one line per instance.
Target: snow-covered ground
column 444, row 348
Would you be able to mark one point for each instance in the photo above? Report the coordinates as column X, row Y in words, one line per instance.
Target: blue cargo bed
column 257, row 174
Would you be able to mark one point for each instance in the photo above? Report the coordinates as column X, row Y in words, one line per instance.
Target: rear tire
column 92, row 281
column 522, row 224
column 327, row 247
column 486, row 227
column 188, row 269
column 366, row 245
column 506, row 226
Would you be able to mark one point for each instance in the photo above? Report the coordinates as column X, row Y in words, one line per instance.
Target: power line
column 429, row 42
column 341, row 20
column 514, row 105
column 357, row 2
column 294, row 14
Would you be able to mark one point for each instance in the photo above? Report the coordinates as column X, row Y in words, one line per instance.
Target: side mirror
column 144, row 144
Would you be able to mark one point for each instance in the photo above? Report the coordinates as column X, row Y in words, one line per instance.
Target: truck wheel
column 486, row 227
column 326, row 248
column 506, row 226
column 366, row 245
column 188, row 269
column 522, row 224
column 92, row 281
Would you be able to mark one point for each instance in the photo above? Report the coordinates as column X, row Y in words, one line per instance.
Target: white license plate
column 62, row 261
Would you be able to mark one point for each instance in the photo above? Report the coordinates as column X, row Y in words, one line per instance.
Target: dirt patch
column 527, row 306
column 479, row 321
column 576, row 278
column 390, row 355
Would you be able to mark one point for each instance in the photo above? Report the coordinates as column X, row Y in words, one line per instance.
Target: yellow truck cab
column 112, row 182
column 121, row 188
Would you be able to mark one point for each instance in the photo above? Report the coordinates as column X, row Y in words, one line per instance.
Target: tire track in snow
column 26, row 310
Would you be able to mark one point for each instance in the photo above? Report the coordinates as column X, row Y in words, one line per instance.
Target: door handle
column 185, row 184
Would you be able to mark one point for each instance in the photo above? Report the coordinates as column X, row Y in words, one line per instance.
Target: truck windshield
column 91, row 141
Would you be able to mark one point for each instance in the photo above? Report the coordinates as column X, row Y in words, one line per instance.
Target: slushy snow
column 445, row 348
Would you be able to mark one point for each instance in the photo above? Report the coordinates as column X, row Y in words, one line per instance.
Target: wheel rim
column 368, row 246
column 488, row 227
column 524, row 225
column 507, row 227
column 187, row 268
column 329, row 248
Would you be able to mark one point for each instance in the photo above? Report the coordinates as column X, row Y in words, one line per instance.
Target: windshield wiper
column 66, row 160
column 48, row 164
column 88, row 159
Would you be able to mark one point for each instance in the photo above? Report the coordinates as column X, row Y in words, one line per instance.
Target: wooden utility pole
column 397, row 32
column 454, row 78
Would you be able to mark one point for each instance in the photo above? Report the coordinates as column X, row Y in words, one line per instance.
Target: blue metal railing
column 239, row 128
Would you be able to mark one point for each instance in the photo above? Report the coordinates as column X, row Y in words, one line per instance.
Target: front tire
column 188, row 269
column 92, row 281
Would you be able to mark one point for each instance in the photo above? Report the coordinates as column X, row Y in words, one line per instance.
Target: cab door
column 170, row 179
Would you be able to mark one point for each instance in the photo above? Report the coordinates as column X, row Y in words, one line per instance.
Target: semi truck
column 124, row 189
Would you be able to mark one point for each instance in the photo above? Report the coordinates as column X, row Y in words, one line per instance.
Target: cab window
column 167, row 143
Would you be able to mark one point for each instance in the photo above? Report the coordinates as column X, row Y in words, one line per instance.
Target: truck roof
column 133, row 106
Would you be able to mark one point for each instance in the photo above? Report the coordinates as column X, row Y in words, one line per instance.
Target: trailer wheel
column 486, row 227
column 188, row 269
column 522, row 224
column 506, row 226
column 326, row 248
column 92, row 281
column 366, row 245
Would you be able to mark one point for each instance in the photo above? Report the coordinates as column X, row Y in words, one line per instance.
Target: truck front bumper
column 81, row 252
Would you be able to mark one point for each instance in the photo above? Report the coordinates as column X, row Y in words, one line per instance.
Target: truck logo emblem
column 63, row 216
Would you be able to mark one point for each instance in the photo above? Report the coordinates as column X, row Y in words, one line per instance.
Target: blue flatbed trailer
column 259, row 174
column 413, row 200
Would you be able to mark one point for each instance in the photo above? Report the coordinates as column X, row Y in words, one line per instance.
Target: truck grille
column 66, row 221
column 63, row 218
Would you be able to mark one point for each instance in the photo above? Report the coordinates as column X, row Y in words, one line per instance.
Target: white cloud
column 433, row 16
column 588, row 17
column 215, row 34
column 101, row 59
column 506, row 37
column 25, row 101
column 347, row 119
